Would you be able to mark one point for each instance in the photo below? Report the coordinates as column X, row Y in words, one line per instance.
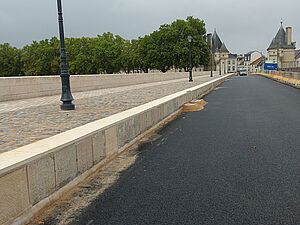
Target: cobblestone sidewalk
column 25, row 121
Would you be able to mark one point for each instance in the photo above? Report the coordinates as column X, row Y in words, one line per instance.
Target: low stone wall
column 289, row 78
column 287, row 74
column 14, row 88
column 35, row 175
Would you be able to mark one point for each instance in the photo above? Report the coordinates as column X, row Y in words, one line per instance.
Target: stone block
column 142, row 122
column 111, row 140
column 41, row 178
column 14, row 198
column 137, row 126
column 128, row 130
column 155, row 115
column 84, row 154
column 65, row 165
column 99, row 148
column 173, row 106
column 149, row 121
column 181, row 100
column 162, row 111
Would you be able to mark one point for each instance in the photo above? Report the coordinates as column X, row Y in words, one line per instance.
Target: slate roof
column 216, row 42
column 297, row 54
column 280, row 41
column 223, row 48
column 232, row 56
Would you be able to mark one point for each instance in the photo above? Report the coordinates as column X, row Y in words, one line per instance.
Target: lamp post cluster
column 66, row 96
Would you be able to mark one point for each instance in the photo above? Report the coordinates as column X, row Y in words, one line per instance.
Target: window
column 229, row 62
column 233, row 68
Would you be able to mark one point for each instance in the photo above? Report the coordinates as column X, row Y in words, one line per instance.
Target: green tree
column 163, row 49
column 10, row 61
column 41, row 58
column 80, row 55
column 108, row 52
column 168, row 47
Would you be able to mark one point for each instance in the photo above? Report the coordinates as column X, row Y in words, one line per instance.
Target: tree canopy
column 162, row 50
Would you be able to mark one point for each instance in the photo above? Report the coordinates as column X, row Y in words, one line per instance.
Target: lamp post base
column 67, row 106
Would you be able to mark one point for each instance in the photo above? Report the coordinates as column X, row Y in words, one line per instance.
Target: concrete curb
column 33, row 176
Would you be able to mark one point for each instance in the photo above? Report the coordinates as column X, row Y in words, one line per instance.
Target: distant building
column 297, row 53
column 257, row 65
column 249, row 58
column 282, row 50
column 221, row 54
column 232, row 63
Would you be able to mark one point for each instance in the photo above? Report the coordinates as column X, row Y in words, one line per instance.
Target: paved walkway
column 25, row 121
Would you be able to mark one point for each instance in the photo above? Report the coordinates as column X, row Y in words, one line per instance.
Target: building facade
column 249, row 58
column 232, row 63
column 257, row 65
column 297, row 57
column 282, row 49
column 220, row 54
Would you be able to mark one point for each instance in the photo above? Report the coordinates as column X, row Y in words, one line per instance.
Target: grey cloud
column 242, row 24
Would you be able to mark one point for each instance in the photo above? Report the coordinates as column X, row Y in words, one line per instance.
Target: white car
column 243, row 72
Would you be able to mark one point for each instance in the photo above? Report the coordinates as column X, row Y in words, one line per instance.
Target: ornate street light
column 209, row 41
column 190, row 39
column 66, row 96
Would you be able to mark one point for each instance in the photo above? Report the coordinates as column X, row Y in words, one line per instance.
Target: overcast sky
column 243, row 25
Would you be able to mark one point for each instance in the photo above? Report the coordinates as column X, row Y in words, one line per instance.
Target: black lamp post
column 190, row 39
column 211, row 63
column 66, row 96
column 209, row 41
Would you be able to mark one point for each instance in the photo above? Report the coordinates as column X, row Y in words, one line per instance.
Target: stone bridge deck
column 25, row 121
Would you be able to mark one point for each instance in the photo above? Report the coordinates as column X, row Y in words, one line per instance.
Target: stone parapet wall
column 15, row 88
column 287, row 74
column 289, row 78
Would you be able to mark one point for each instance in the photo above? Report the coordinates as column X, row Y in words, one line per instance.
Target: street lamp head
column 190, row 38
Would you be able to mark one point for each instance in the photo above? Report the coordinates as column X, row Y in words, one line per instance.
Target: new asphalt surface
column 236, row 162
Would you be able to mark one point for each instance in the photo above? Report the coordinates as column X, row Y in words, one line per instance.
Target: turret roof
column 223, row 48
column 216, row 42
column 280, row 40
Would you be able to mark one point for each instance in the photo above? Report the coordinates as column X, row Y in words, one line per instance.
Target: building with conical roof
column 221, row 55
column 223, row 48
column 216, row 42
column 282, row 49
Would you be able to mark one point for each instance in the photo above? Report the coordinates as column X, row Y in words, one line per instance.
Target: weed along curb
column 282, row 79
column 36, row 175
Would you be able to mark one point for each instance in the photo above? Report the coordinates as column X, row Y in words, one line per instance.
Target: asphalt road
column 236, row 162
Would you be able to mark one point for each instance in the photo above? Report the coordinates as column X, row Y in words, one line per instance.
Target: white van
column 242, row 72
